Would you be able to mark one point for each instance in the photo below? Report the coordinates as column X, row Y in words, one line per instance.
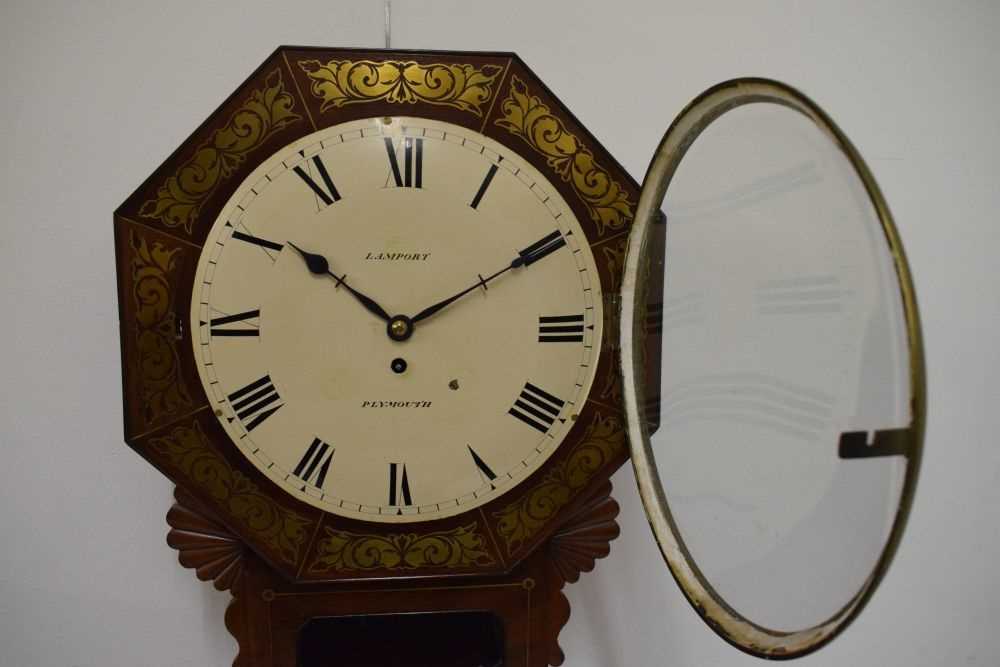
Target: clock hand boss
column 526, row 257
column 319, row 265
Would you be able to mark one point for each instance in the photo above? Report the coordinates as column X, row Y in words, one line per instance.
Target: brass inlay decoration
column 187, row 449
column 341, row 82
column 267, row 111
column 527, row 117
column 156, row 341
column 522, row 519
column 342, row 551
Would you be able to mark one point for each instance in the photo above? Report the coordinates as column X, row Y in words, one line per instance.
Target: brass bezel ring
column 729, row 624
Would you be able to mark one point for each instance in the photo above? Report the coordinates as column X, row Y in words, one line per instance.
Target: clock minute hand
column 526, row 257
column 430, row 310
column 319, row 265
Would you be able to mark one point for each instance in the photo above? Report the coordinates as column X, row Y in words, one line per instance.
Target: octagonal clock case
column 391, row 319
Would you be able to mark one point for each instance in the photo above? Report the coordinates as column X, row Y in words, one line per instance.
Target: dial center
column 400, row 328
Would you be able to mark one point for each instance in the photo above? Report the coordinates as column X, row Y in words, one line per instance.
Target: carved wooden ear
column 204, row 544
column 586, row 535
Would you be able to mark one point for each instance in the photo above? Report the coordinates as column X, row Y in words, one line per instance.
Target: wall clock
column 391, row 319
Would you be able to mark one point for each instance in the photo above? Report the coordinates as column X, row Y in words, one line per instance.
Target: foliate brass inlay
column 522, row 519
column 341, row 82
column 527, row 117
column 281, row 529
column 343, row 551
column 156, row 341
column 266, row 111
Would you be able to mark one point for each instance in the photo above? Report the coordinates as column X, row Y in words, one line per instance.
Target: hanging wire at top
column 388, row 24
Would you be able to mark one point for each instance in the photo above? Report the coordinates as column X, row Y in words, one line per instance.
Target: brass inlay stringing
column 266, row 111
column 283, row 530
column 527, row 117
column 341, row 551
column 341, row 82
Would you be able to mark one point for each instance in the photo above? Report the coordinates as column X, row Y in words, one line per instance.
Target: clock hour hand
column 526, row 257
column 543, row 247
column 319, row 265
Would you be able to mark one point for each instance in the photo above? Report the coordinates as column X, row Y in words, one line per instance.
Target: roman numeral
column 536, row 408
column 482, row 188
column 399, row 485
column 255, row 402
column 315, row 463
column 218, row 324
column 560, row 329
column 483, row 468
column 541, row 248
column 330, row 194
column 255, row 240
column 412, row 172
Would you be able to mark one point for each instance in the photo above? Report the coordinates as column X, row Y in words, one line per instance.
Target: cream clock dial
column 397, row 319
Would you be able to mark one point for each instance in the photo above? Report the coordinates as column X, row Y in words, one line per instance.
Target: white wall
column 96, row 94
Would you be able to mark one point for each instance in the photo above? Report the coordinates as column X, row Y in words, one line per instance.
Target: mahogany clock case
column 233, row 524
